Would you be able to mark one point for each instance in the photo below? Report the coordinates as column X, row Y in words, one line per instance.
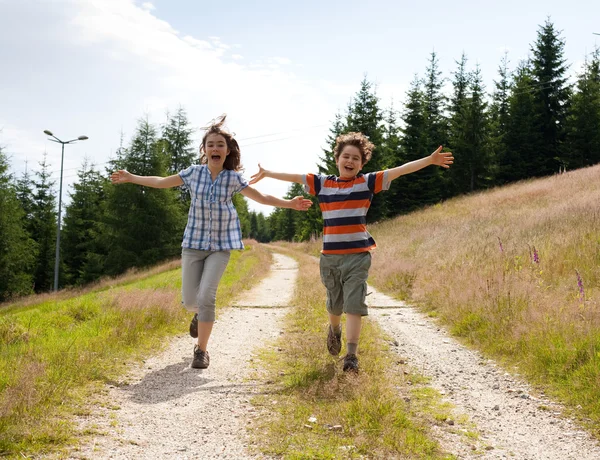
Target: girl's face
column 349, row 162
column 215, row 148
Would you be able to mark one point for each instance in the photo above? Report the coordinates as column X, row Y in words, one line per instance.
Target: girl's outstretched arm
column 299, row 203
column 275, row 175
column 122, row 177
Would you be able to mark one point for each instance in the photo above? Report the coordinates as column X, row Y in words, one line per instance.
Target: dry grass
column 501, row 269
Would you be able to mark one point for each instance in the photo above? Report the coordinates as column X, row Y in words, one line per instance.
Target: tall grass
column 355, row 416
column 55, row 353
column 515, row 271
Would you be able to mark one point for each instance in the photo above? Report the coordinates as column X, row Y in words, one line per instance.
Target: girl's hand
column 258, row 176
column 443, row 159
column 120, row 177
column 299, row 203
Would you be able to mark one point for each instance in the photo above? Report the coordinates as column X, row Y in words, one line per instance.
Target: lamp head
column 82, row 138
column 49, row 133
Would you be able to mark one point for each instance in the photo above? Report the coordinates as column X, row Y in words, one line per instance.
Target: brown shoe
column 201, row 359
column 350, row 363
column 194, row 326
column 334, row 341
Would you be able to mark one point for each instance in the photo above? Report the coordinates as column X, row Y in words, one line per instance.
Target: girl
column 213, row 227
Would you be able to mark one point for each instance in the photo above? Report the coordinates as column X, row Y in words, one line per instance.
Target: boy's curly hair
column 358, row 140
column 217, row 126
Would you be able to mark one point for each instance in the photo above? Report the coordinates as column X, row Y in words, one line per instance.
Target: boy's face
column 349, row 162
column 216, row 150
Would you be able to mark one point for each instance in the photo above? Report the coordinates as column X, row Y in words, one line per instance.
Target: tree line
column 535, row 121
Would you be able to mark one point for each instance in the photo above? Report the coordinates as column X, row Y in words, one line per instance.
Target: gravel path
column 171, row 411
column 511, row 421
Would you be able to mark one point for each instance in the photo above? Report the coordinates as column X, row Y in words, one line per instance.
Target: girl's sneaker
column 201, row 359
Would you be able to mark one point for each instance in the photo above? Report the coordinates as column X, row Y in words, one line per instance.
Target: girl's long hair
column 217, row 126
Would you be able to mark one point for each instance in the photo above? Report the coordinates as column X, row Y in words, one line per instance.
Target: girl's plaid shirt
column 213, row 223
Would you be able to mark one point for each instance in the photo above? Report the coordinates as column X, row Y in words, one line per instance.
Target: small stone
column 312, row 419
column 449, row 421
column 496, row 407
column 336, row 428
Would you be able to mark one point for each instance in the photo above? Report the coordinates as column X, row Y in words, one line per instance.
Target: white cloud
column 131, row 63
column 148, row 6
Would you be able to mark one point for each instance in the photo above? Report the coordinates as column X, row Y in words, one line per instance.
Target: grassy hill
column 514, row 271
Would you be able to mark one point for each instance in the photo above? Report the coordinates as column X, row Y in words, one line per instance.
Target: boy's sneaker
column 194, row 326
column 334, row 341
column 201, row 359
column 350, row 363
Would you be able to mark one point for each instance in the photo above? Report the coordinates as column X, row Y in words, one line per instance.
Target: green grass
column 368, row 410
column 56, row 354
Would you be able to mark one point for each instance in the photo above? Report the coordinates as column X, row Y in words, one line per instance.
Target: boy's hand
column 262, row 173
column 120, row 177
column 299, row 203
column 443, row 159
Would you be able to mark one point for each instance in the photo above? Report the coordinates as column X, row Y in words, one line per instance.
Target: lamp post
column 62, row 157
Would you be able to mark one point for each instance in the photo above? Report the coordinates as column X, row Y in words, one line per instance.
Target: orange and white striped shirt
column 344, row 204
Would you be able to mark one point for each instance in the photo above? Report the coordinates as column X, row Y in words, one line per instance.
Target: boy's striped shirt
column 344, row 204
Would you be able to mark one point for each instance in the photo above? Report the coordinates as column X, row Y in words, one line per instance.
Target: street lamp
column 62, row 157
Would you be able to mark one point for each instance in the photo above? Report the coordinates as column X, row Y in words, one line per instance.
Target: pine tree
column 477, row 154
column 44, row 228
column 394, row 155
column 584, row 122
column 143, row 225
column 436, row 129
column 411, row 191
column 17, row 249
column 551, row 96
column 177, row 145
column 82, row 251
column 436, row 124
column 24, row 189
column 499, row 119
column 523, row 139
column 458, row 129
column 327, row 165
column 365, row 116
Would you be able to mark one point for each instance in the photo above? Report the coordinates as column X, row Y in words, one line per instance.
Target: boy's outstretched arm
column 439, row 158
column 299, row 203
column 122, row 177
column 262, row 173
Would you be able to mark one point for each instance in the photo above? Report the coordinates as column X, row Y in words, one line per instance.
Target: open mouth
column 215, row 157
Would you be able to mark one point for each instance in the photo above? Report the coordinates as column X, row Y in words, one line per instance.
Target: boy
column 346, row 258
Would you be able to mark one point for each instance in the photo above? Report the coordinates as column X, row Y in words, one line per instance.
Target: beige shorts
column 345, row 277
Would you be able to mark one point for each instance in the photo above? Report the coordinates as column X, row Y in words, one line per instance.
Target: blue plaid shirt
column 213, row 223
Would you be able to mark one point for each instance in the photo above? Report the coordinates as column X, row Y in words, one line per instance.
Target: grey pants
column 201, row 272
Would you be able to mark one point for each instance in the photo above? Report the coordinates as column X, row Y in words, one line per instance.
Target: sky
column 280, row 70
